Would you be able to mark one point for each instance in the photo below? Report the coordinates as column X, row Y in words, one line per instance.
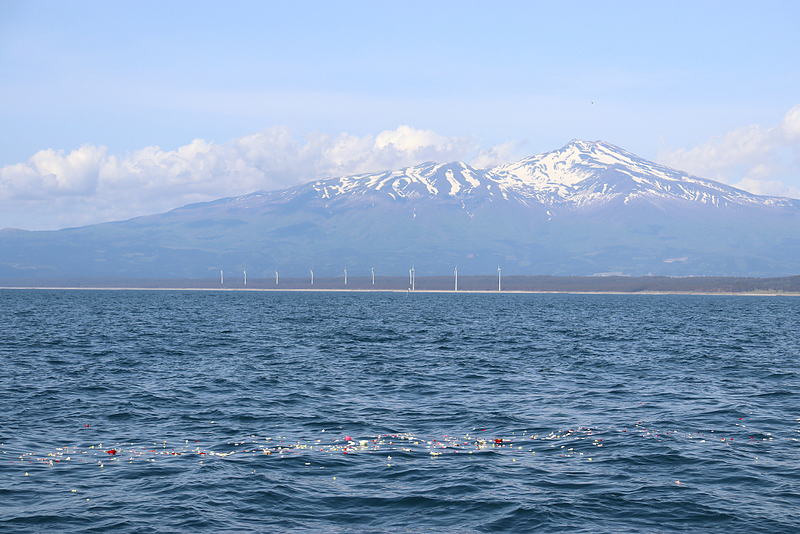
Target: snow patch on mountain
column 579, row 175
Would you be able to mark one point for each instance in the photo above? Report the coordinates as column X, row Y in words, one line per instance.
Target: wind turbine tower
column 345, row 277
column 499, row 287
column 312, row 277
column 456, row 273
column 221, row 278
column 276, row 278
column 245, row 277
column 373, row 276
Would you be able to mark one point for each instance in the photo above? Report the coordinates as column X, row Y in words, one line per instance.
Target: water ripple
column 346, row 412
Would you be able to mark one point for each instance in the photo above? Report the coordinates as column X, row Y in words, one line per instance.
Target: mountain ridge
column 567, row 176
column 583, row 209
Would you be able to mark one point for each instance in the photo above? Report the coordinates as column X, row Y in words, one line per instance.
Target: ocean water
column 181, row 411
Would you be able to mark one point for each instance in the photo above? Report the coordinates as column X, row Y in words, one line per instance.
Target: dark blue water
column 167, row 411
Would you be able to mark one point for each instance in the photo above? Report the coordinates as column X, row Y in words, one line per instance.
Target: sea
column 266, row 411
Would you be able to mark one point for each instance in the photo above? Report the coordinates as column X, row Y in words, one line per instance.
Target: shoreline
column 409, row 292
column 471, row 284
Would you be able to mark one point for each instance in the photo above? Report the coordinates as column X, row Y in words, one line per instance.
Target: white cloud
column 498, row 155
column 762, row 160
column 54, row 189
column 50, row 172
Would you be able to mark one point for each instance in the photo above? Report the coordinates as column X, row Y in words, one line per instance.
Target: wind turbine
column 245, row 277
column 221, row 278
column 373, row 276
column 413, row 278
column 345, row 277
column 456, row 273
column 276, row 278
column 499, row 287
column 312, row 277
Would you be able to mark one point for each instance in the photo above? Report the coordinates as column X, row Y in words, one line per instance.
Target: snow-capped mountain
column 581, row 174
column 587, row 208
column 586, row 173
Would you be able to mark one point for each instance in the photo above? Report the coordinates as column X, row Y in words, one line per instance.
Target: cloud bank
column 754, row 158
column 55, row 189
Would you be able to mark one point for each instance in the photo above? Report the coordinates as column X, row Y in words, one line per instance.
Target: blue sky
column 110, row 110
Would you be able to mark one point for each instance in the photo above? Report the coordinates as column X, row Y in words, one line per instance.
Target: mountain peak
column 603, row 152
column 581, row 144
